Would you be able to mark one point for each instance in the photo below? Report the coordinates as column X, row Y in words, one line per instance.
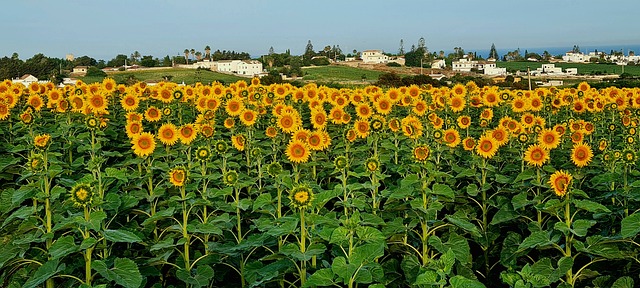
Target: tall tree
column 199, row 55
column 308, row 54
column 193, row 53
column 493, row 53
column 186, row 55
column 401, row 50
column 271, row 51
column 207, row 52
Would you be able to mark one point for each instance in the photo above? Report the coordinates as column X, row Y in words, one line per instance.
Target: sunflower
column 603, row 144
column 234, row 107
column 394, row 125
column 468, row 144
column 419, row 107
column 35, row 101
column 301, row 134
column 577, row 137
column 363, row 110
column 490, row 98
column 457, row 103
column 629, row 156
column 92, row 122
column 221, row 146
column 301, row 197
column 41, row 141
column 581, row 154
column 230, row 177
column 383, row 105
column 248, row 117
column 206, row 130
column 559, row 182
column 288, row 122
column 519, row 105
column 315, row 141
column 412, row 127
column 152, row 114
column 451, row 137
column 500, row 135
column 238, row 142
column 421, row 153
column 177, row 176
column 97, row 102
column 372, row 164
column 143, row 144
column 362, row 128
column 377, row 123
column 463, row 121
column 229, row 123
column 536, row 155
column 351, row 135
column 168, row 134
column 459, row 90
column 4, row 111
column 81, row 194
column 187, row 133
column 487, row 146
column 274, row 169
column 318, row 118
column 549, row 139
column 26, row 117
column 297, row 151
column 129, row 102
column 341, row 162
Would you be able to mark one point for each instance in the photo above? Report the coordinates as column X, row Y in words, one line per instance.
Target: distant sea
column 561, row 50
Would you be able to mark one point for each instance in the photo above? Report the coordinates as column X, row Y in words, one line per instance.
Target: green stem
column 88, row 253
column 185, row 233
column 238, row 219
column 568, row 238
column 303, row 248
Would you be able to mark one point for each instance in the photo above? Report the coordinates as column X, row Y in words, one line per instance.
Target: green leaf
column 7, row 160
column 322, row 277
column 119, row 174
column 369, row 234
column 8, row 252
column 539, row 238
column 429, row 277
column 525, row 175
column 124, row 272
column 581, row 226
column 463, row 282
column 23, row 193
column 442, row 189
column 630, row 225
column 342, row 269
column 162, row 244
column 502, row 179
column 44, row 272
column 262, row 200
column 447, row 260
column 623, row 282
column 505, row 214
column 63, row 247
column 202, row 277
column 590, row 206
column 95, row 220
column 89, row 242
column 339, row 235
column 520, row 201
column 366, row 253
column 21, row 213
column 464, row 224
column 472, row 190
column 121, row 236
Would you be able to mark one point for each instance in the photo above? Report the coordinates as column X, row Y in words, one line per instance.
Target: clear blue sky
column 102, row 29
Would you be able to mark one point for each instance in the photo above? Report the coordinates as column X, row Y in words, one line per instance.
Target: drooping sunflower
column 559, row 182
column 274, row 169
column 143, row 144
column 487, row 146
column 297, row 151
column 178, row 176
column 238, row 142
column 41, row 141
column 351, row 135
column 394, row 125
column 26, row 117
column 536, row 155
column 549, row 139
column 168, row 134
column 152, row 114
column 412, row 127
column 36, row 162
column 206, row 130
column 372, row 165
column 581, row 154
column 421, row 153
column 301, row 197
column 81, row 194
column 187, row 133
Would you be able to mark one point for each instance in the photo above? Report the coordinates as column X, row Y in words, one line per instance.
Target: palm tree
column 193, row 52
column 199, row 55
column 207, row 52
column 186, row 55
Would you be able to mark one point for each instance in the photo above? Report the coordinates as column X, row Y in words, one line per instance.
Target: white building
column 438, row 64
column 240, row 67
column 495, row 71
column 575, row 57
column 374, row 57
column 551, row 69
column 464, row 65
column 26, row 79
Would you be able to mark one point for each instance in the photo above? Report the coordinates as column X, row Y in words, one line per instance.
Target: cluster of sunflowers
column 312, row 117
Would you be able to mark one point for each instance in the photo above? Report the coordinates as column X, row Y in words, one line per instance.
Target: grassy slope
column 336, row 73
column 583, row 68
column 188, row 76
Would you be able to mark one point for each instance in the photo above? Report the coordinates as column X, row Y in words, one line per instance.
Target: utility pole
column 529, row 74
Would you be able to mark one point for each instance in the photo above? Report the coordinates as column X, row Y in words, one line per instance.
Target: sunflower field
column 248, row 185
